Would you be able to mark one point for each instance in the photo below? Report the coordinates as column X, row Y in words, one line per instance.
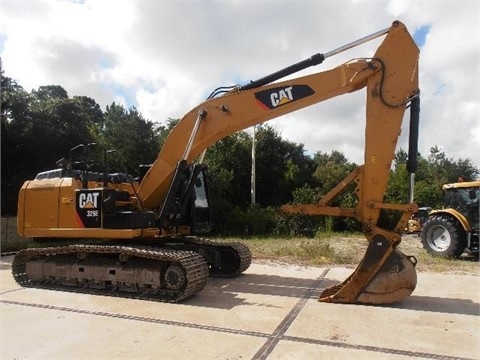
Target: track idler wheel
column 379, row 279
column 175, row 278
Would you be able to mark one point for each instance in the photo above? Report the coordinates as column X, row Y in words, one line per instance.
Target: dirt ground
column 269, row 312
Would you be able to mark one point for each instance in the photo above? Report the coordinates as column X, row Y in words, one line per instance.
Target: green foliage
column 252, row 221
column 134, row 139
column 306, row 195
column 331, row 170
column 42, row 126
column 398, row 185
column 49, row 92
column 429, row 194
column 16, row 126
column 434, row 171
column 281, row 166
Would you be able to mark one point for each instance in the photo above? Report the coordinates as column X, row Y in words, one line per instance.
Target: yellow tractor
column 416, row 221
column 452, row 230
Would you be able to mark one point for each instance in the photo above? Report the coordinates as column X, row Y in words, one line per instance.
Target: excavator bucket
column 384, row 276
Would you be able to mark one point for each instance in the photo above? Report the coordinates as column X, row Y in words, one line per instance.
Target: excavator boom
column 396, row 68
column 391, row 81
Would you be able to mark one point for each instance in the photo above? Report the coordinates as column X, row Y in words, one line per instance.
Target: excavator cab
column 188, row 202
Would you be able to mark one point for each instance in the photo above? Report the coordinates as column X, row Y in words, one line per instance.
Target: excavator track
column 138, row 272
column 225, row 259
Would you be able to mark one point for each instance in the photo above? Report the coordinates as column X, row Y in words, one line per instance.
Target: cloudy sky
column 166, row 56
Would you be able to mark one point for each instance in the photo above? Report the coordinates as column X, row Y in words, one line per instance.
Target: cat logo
column 279, row 96
column 88, row 200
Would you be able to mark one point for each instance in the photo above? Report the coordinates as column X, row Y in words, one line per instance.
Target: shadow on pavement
column 228, row 293
column 440, row 305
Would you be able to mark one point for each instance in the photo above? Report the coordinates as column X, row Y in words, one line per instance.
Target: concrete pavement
column 270, row 312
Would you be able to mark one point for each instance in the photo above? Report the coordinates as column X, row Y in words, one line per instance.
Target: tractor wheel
column 443, row 236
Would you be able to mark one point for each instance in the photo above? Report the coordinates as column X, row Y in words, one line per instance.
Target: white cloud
column 165, row 57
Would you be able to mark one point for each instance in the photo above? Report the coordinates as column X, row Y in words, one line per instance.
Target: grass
column 329, row 249
column 314, row 252
column 348, row 250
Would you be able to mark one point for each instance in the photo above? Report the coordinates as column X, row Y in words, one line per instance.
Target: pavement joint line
column 282, row 328
column 279, row 334
column 272, row 338
column 140, row 318
column 11, row 291
column 408, row 353
column 276, row 336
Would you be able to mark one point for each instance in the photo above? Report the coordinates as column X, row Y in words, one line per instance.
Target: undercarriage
column 170, row 273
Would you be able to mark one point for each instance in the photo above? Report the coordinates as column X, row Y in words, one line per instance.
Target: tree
column 432, row 173
column 50, row 92
column 16, row 122
column 42, row 126
column 229, row 163
column 331, row 169
column 90, row 112
column 134, row 139
column 281, row 167
column 58, row 124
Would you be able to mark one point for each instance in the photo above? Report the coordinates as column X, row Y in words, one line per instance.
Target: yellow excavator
column 146, row 235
